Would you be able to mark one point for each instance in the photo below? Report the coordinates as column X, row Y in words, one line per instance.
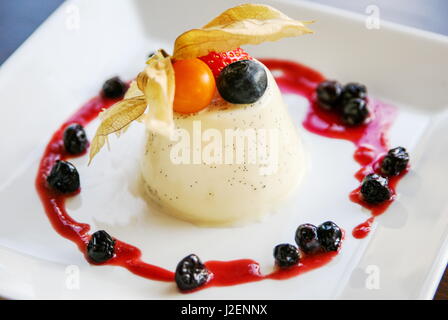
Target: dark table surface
column 19, row 18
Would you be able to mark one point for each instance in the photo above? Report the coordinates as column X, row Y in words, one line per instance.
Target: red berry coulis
column 370, row 139
column 371, row 144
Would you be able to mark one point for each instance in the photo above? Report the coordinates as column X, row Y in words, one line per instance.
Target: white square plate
column 84, row 42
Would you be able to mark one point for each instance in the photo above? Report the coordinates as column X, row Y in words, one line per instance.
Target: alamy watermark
column 73, row 19
column 373, row 277
column 229, row 146
column 72, row 277
column 373, row 20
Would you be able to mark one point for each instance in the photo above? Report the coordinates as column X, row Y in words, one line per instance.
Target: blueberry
column 286, row 255
column 375, row 189
column 191, row 273
column 328, row 94
column 114, row 88
column 354, row 90
column 75, row 139
column 330, row 236
column 63, row 177
column 395, row 161
column 355, row 112
column 306, row 238
column 243, row 81
column 100, row 247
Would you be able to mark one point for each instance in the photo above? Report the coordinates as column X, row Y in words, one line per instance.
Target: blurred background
column 19, row 18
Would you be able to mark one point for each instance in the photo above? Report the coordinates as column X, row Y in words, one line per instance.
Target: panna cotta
column 228, row 164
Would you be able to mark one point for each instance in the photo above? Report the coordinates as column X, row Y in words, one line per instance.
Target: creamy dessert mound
column 210, row 191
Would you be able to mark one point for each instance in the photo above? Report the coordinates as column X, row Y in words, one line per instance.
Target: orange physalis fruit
column 195, row 85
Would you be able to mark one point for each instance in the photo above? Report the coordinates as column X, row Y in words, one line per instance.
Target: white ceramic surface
column 63, row 65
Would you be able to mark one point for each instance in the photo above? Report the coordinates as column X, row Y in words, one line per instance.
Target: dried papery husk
column 155, row 89
column 244, row 24
column 115, row 119
column 158, row 85
column 155, row 86
column 132, row 92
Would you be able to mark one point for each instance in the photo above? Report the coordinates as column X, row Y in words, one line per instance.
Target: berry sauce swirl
column 370, row 140
column 222, row 273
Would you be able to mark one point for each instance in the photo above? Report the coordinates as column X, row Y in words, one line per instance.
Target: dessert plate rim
column 427, row 289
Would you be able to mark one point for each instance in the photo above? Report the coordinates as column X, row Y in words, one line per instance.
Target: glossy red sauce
column 369, row 139
column 227, row 273
column 362, row 230
column 127, row 255
column 223, row 273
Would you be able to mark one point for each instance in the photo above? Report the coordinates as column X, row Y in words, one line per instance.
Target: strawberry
column 219, row 60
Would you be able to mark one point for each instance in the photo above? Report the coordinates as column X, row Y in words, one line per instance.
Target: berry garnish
column 242, row 82
column 306, row 238
column 328, row 94
column 114, row 88
column 217, row 61
column 330, row 236
column 63, row 177
column 375, row 189
column 75, row 139
column 286, row 255
column 395, row 161
column 195, row 86
column 355, row 112
column 353, row 90
column 100, row 247
column 191, row 273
